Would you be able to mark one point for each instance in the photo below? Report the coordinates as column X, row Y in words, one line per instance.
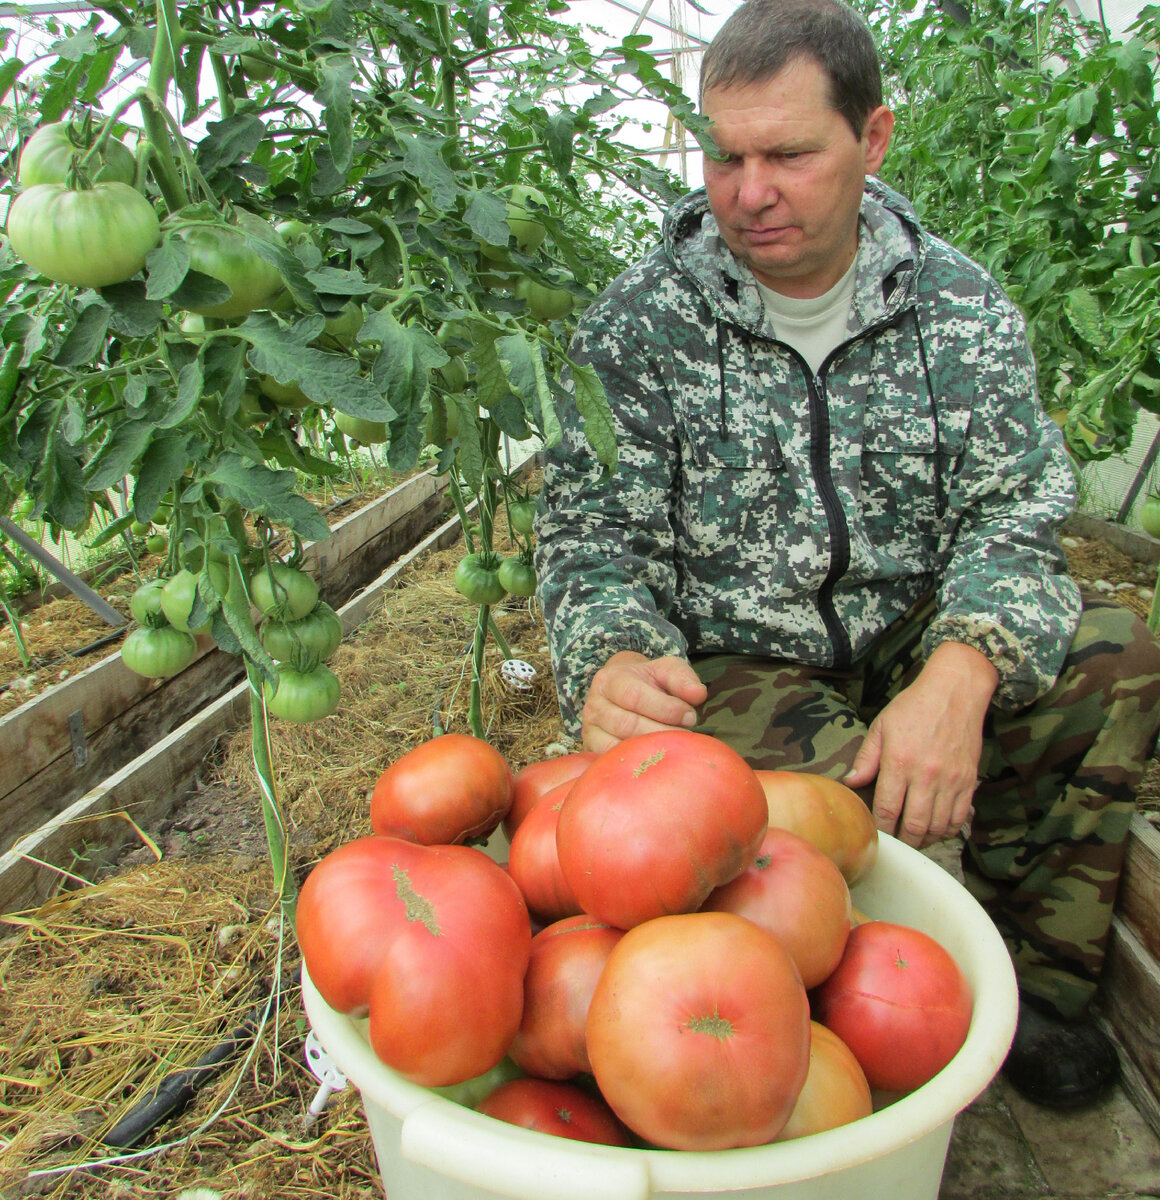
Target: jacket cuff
column 1021, row 682
column 577, row 665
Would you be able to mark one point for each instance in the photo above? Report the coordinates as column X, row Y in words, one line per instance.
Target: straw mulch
column 106, row 990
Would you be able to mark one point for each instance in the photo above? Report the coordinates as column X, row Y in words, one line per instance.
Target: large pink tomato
column 798, row 894
column 537, row 778
column 445, row 790
column 828, row 814
column 656, row 823
column 534, row 863
column 567, row 959
column 698, row 1032
column 899, row 1001
column 434, row 940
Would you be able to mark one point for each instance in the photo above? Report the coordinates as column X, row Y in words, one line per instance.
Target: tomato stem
column 272, row 817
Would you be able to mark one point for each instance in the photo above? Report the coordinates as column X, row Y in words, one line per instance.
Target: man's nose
column 757, row 187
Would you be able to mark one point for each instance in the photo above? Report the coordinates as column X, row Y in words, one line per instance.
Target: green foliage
column 1030, row 140
column 387, row 133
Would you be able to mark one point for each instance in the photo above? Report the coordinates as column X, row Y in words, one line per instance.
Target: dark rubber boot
column 1058, row 1063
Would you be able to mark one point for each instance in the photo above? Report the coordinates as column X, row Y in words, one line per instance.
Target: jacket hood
column 891, row 247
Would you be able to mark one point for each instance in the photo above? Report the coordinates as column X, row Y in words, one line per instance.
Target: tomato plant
column 826, row 813
column 158, row 651
column 656, row 823
column 445, row 790
column 567, row 959
column 560, row 1109
column 477, row 578
column 284, row 592
column 49, row 153
column 433, row 941
column 301, row 696
column 796, row 893
column 899, row 1001
column 1150, row 516
column 89, row 238
column 698, row 1032
column 309, row 260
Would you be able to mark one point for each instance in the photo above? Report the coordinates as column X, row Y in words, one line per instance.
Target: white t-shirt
column 815, row 326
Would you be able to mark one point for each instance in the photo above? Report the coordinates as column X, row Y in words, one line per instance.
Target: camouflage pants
column 1057, row 779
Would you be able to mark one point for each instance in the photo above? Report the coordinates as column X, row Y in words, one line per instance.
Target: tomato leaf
column 421, row 158
column 561, row 127
column 117, row 454
column 334, row 95
column 86, row 338
column 269, row 492
column 592, row 404
column 161, row 466
column 522, row 361
column 326, row 378
column 486, row 216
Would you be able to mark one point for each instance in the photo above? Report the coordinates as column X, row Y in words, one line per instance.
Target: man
column 831, row 537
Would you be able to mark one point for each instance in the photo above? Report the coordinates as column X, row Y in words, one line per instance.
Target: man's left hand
column 924, row 747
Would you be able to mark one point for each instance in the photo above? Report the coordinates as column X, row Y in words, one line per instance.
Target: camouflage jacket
column 759, row 509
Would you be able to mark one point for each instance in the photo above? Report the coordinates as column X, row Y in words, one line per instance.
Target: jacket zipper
column 835, row 520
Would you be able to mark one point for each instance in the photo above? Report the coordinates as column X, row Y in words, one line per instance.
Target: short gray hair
column 763, row 37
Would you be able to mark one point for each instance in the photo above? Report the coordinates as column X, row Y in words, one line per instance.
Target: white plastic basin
column 429, row 1148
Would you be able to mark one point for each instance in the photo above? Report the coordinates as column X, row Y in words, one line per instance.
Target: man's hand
column 924, row 747
column 632, row 694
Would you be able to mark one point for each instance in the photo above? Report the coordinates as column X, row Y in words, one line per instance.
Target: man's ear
column 876, row 137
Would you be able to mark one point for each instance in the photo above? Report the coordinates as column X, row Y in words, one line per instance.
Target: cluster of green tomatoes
column 298, row 630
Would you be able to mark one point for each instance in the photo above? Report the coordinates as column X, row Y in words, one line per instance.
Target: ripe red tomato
column 444, row 791
column 535, row 865
column 698, row 1032
column 434, row 940
column 562, row 1109
column 793, row 890
column 656, row 823
column 899, row 1001
column 566, row 961
column 835, row 1091
column 532, row 781
column 827, row 813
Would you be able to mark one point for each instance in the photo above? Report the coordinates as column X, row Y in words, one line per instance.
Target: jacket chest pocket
column 730, row 484
column 907, row 458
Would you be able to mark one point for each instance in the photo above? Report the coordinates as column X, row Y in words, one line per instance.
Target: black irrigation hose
column 37, row 664
column 174, row 1093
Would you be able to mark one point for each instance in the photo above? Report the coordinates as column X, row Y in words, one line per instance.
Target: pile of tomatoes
column 670, row 956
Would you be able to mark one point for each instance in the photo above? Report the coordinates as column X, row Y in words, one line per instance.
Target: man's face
column 787, row 195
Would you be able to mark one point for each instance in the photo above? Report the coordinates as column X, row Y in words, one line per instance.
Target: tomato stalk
column 14, row 624
column 272, row 816
column 1154, row 608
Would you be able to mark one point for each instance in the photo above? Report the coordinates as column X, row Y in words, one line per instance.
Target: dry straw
column 106, row 990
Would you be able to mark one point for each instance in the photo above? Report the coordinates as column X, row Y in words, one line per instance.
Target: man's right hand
column 632, row 694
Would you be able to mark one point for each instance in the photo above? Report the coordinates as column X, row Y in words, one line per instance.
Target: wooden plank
column 39, row 865
column 125, row 734
column 1130, row 998
column 1133, row 542
column 1138, row 901
column 71, row 736
column 150, row 786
